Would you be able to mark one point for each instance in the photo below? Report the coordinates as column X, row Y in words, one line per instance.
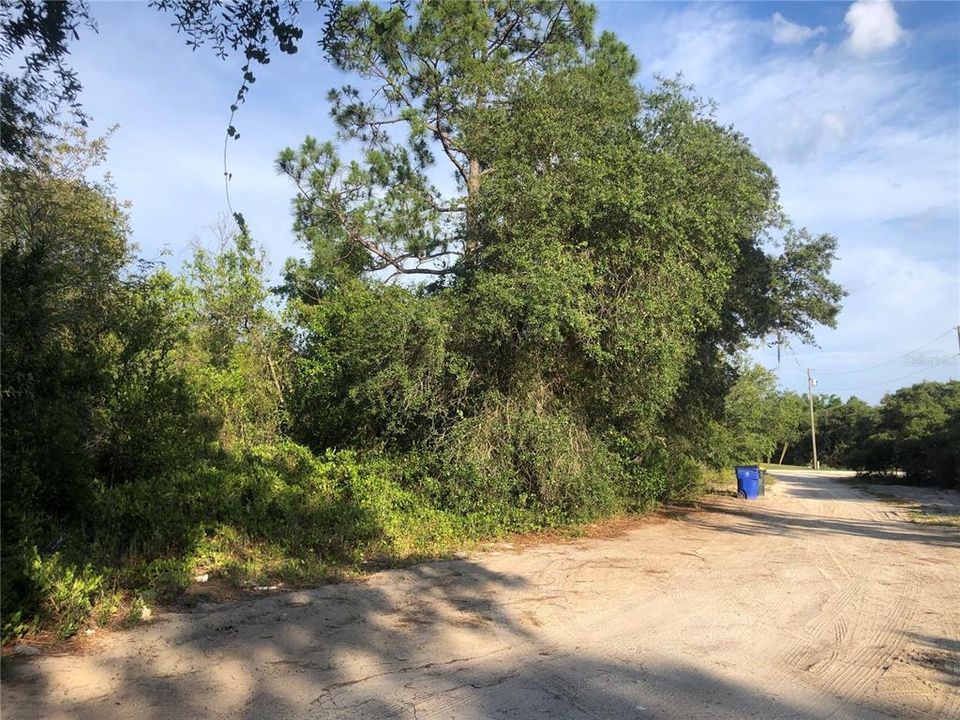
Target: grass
column 922, row 517
column 725, row 482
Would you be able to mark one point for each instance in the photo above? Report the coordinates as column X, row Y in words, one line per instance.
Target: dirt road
column 817, row 601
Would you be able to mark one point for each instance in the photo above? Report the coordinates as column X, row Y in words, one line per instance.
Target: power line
column 795, row 358
column 902, row 377
column 888, row 362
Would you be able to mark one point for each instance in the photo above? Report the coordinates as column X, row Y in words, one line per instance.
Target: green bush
column 527, row 451
column 53, row 593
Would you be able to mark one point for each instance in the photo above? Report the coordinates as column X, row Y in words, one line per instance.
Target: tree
column 586, row 269
column 63, row 247
column 442, row 74
column 545, row 337
column 774, row 294
column 843, row 431
column 918, row 432
column 757, row 419
column 237, row 351
column 39, row 33
column 92, row 397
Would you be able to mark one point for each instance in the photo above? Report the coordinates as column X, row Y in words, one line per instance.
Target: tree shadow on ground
column 939, row 654
column 442, row 639
column 767, row 521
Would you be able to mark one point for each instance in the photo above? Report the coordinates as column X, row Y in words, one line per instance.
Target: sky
column 855, row 107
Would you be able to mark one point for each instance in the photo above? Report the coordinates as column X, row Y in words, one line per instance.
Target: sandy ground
column 816, row 601
column 929, row 501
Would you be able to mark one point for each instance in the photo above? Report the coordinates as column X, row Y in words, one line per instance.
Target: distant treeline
column 914, row 431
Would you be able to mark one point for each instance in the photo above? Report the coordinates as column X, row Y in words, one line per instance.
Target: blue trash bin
column 749, row 481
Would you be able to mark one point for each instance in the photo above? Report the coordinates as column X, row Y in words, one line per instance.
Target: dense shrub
column 154, row 534
column 374, row 366
column 93, row 398
column 917, row 431
column 532, row 453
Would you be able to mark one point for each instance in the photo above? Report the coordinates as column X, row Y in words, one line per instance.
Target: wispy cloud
column 790, row 33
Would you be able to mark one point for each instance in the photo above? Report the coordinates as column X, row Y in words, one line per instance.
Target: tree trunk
column 473, row 187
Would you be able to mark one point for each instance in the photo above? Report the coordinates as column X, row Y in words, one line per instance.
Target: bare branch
column 551, row 26
column 448, row 149
column 501, row 38
column 387, row 259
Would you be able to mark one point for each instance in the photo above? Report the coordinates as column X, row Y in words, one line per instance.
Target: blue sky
column 853, row 105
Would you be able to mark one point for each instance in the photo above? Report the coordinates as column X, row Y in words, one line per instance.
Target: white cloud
column 834, row 125
column 873, row 26
column 790, row 33
column 896, row 302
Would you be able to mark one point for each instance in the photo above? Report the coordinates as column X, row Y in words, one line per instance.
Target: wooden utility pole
column 813, row 425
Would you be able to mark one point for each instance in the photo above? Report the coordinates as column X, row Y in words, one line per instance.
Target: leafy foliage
column 918, row 432
column 842, row 431
column 92, row 397
column 442, row 73
column 913, row 430
column 38, row 34
column 757, row 419
column 604, row 252
column 238, row 352
column 81, row 340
